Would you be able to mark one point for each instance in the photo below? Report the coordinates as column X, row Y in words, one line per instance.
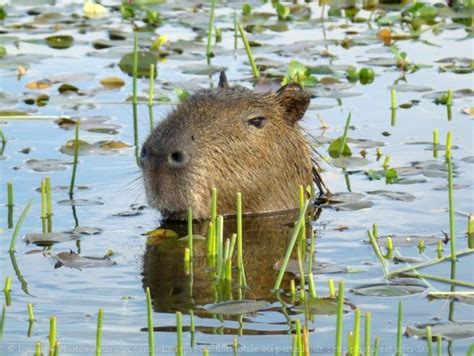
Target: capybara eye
column 143, row 154
column 257, row 122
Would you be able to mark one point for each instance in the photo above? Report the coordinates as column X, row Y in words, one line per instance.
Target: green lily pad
column 334, row 149
column 389, row 289
column 448, row 331
column 145, row 59
column 60, row 42
column 323, row 306
column 236, row 307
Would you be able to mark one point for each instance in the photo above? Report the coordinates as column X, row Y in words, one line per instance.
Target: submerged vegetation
column 247, row 277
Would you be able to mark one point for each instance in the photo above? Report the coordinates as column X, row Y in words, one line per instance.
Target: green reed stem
column 344, row 135
column 49, row 205
column 389, row 254
column 38, row 350
column 439, row 249
column 219, row 241
column 31, row 314
column 151, row 335
column 18, row 225
column 296, row 230
column 376, row 346
column 312, row 289
column 205, row 351
column 470, row 231
column 429, row 340
column 10, row 204
column 187, row 255
column 350, row 340
column 439, row 342
column 210, row 29
column 190, row 232
column 332, row 290
column 98, row 336
column 76, row 154
column 298, row 336
column 340, row 316
column 255, row 71
column 435, row 143
column 393, row 99
column 151, row 95
column 293, row 291
column 375, row 231
column 452, row 223
column 428, row 263
column 356, row 340
column 386, row 162
column 377, row 251
column 294, row 346
column 52, row 334
column 7, row 285
column 211, row 240
column 440, row 279
column 399, row 329
column 57, row 347
column 179, row 329
column 449, row 104
column 367, row 329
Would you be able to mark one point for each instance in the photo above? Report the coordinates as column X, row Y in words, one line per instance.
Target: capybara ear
column 294, row 100
column 223, row 83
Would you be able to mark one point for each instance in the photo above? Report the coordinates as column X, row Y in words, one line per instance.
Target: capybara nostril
column 178, row 158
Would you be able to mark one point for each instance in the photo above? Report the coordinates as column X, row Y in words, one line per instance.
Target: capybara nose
column 178, row 159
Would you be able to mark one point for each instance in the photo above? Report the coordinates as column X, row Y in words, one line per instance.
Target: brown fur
column 226, row 152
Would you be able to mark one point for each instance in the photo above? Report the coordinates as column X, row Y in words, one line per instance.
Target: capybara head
column 235, row 140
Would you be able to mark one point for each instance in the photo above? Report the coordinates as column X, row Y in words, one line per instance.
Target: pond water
column 112, row 198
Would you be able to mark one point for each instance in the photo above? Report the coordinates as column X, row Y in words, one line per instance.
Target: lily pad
column 74, row 260
column 60, row 42
column 318, row 268
column 399, row 196
column 323, row 306
column 236, row 307
column 80, row 202
column 46, row 165
column 145, row 59
column 389, row 289
column 50, row 238
column 86, row 230
column 448, row 331
column 409, row 240
column 349, row 162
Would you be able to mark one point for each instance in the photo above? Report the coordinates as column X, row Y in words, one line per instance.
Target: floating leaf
column 50, row 238
column 154, row 237
column 236, row 307
column 349, row 162
column 399, row 196
column 323, row 306
column 65, row 88
column 318, row 267
column 60, row 42
column 409, row 240
column 74, row 260
column 40, row 84
column 448, row 331
column 46, row 165
column 86, row 230
column 389, row 289
column 80, row 202
column 145, row 59
column 112, row 82
column 335, row 147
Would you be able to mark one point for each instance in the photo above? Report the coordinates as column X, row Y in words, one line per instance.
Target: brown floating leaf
column 74, row 260
column 112, row 82
column 40, row 84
